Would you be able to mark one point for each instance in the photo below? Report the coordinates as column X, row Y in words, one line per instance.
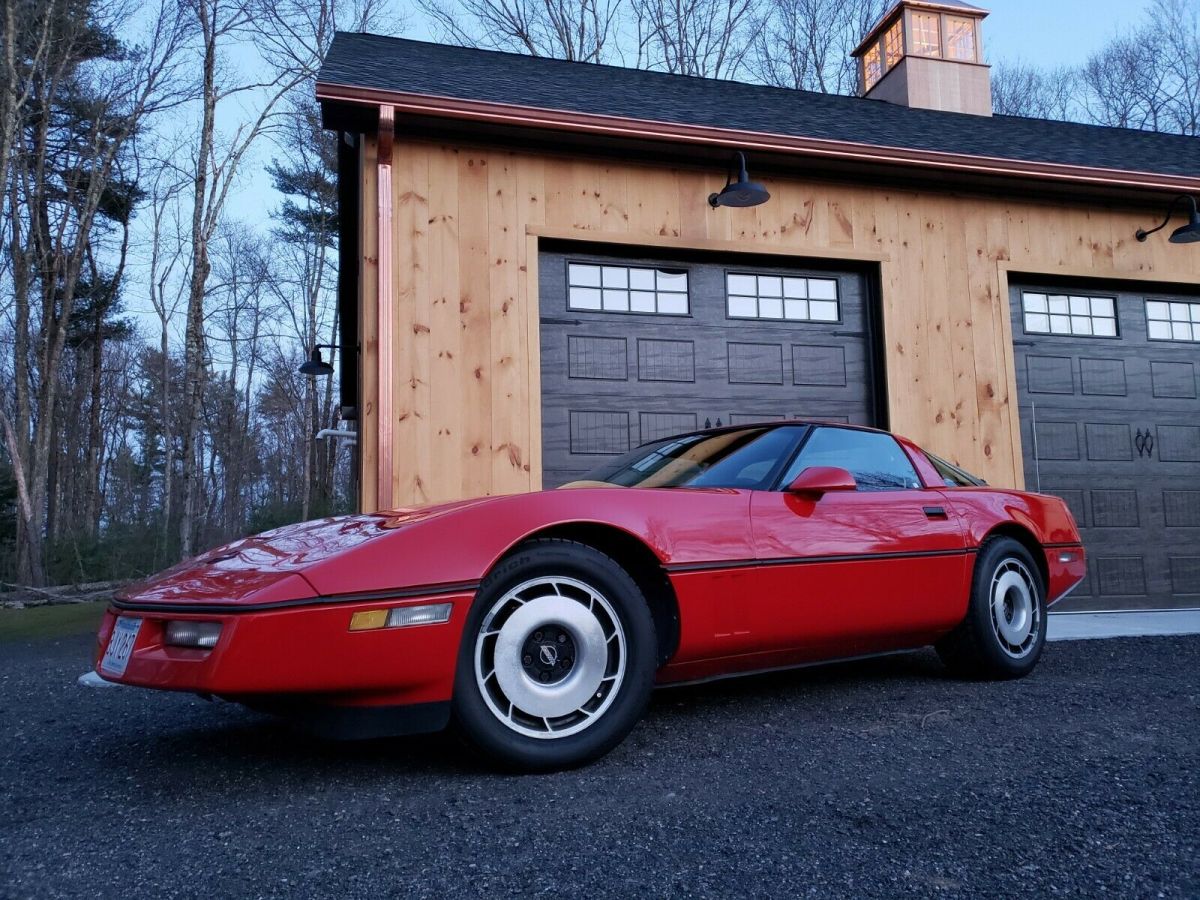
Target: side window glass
column 875, row 460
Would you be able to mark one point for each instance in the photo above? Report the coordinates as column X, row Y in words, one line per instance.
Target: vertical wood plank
column 368, row 366
column 442, row 435
column 509, row 400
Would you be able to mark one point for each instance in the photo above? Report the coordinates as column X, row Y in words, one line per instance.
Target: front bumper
column 305, row 652
column 1066, row 565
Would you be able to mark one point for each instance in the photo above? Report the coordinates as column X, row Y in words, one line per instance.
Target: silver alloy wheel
column 1015, row 613
column 550, row 657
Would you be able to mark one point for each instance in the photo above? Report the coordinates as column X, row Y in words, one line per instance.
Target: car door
column 852, row 572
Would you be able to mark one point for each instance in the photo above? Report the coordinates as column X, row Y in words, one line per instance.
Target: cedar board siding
column 465, row 372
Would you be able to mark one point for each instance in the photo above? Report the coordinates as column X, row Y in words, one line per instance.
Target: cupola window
column 960, row 39
column 927, row 34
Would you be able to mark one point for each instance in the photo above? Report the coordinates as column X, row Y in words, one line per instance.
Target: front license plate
column 120, row 646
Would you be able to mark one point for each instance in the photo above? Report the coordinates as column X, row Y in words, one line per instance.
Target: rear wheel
column 1005, row 626
column 557, row 660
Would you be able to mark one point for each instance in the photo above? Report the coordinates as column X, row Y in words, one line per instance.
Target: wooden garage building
column 533, row 279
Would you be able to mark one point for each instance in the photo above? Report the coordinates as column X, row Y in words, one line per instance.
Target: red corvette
column 539, row 623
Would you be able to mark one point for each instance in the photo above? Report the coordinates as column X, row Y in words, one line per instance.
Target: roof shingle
column 417, row 67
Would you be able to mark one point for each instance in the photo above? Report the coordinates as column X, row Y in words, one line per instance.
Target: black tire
column 988, row 643
column 611, row 597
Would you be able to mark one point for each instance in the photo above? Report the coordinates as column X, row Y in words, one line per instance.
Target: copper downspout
column 385, row 311
column 595, row 123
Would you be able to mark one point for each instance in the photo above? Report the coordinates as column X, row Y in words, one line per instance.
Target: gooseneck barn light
column 1184, row 234
column 742, row 192
column 315, row 364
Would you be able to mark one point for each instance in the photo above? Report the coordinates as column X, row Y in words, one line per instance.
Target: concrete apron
column 1084, row 626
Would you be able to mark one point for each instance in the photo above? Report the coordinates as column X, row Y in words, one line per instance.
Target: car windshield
column 749, row 458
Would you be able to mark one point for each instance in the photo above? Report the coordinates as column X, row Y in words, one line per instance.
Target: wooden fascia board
column 710, row 136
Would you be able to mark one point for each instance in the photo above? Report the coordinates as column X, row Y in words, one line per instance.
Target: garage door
column 637, row 349
column 1110, row 422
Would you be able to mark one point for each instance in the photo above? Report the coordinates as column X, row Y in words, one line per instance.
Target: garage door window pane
column 616, row 277
column 774, row 297
column 823, row 311
column 626, row 289
column 641, row 279
column 743, row 307
column 1075, row 314
column 616, row 301
column 642, row 301
column 585, row 298
column 583, row 276
column 743, row 285
column 1173, row 321
column 770, row 286
column 1160, row 331
column 673, row 304
column 672, row 281
column 822, row 289
column 795, row 309
column 770, row 308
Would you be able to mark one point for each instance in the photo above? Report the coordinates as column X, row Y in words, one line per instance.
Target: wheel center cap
column 548, row 654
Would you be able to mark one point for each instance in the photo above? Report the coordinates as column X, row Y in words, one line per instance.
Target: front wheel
column 1005, row 626
column 557, row 660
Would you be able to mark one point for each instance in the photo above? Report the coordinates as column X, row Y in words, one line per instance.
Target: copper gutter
column 710, row 136
column 385, row 312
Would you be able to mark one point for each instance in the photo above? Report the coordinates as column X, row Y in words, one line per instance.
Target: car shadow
column 230, row 738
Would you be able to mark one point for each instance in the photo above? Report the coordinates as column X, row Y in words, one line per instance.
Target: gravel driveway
column 862, row 779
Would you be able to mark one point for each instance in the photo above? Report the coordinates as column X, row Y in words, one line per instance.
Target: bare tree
column 1126, row 83
column 707, row 38
column 806, row 44
column 583, row 30
column 166, row 278
column 1177, row 27
column 77, row 97
column 1024, row 90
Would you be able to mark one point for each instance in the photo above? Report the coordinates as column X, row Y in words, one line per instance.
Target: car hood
column 288, row 563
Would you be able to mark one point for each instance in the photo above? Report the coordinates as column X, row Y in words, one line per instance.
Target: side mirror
column 817, row 480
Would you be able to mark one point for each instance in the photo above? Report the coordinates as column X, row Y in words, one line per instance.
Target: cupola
column 927, row 55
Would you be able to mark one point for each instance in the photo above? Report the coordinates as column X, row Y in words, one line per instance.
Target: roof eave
column 675, row 132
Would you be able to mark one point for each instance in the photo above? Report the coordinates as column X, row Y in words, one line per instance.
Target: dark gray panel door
column 662, row 354
column 1110, row 421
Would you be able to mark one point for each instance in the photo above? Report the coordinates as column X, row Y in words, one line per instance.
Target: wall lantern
column 315, row 365
column 1184, row 234
column 742, row 192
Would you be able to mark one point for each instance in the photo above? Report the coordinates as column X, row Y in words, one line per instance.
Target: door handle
column 935, row 512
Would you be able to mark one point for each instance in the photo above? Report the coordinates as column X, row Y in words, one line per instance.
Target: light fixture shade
column 315, row 365
column 742, row 192
column 1189, row 233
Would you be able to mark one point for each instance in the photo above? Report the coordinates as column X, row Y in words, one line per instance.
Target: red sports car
column 539, row 623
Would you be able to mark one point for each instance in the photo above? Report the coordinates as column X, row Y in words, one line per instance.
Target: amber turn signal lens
column 368, row 620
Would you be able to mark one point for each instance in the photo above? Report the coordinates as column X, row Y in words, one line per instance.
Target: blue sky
column 1054, row 32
